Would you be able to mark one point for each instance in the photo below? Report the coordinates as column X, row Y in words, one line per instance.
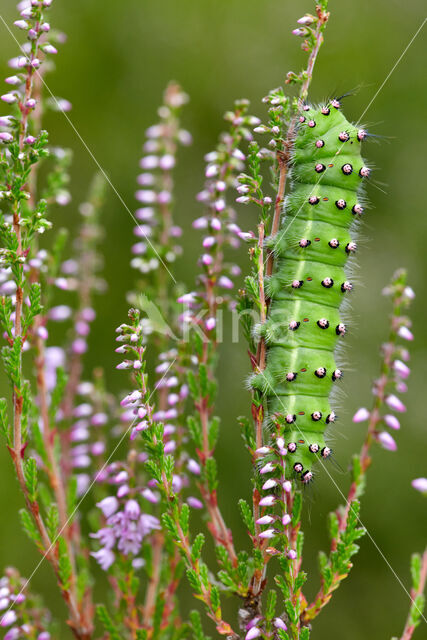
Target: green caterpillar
column 310, row 283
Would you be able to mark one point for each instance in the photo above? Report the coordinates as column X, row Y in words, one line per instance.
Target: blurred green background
column 114, row 67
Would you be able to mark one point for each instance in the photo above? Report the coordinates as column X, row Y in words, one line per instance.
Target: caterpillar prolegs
column 309, row 283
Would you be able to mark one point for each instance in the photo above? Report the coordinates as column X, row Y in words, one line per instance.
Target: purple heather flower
column 386, row 441
column 405, row 333
column 286, row 519
column 279, row 624
column 8, row 618
column 225, row 282
column 6, row 137
column 150, row 496
column 253, row 633
column 267, row 501
column 292, row 554
column 194, row 503
column 265, row 520
column 104, row 557
column 391, row 421
column 193, row 467
column 395, row 403
column 361, row 415
column 13, row 634
column 287, row 486
column 420, row 484
column 45, row 26
column 267, row 534
column 401, row 386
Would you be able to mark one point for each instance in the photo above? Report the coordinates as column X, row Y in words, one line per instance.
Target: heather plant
column 131, row 483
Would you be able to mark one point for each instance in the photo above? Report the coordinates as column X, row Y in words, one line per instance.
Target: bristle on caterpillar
column 309, row 283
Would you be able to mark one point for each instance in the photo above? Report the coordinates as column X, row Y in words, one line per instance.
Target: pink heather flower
column 14, row 633
column 6, row 121
column 167, row 162
column 263, row 451
column 401, row 368
column 104, row 557
column 64, row 105
column 123, row 491
column 31, row 103
column 219, row 205
column 13, row 80
column 409, row 293
column 225, row 282
column 60, row 313
column 267, row 534
column 269, row 484
column 45, row 26
column 211, row 170
column 361, row 415
column 99, row 419
column 267, row 468
column 187, row 298
column 132, row 509
column 210, row 324
column 50, row 49
column 208, row 242
column 42, row 333
column 279, row 624
column 265, row 520
column 401, row 386
column 149, row 162
column 253, row 633
column 200, row 223
column 194, row 503
column 420, row 484
column 391, row 421
column 121, row 477
column 405, row 333
column 6, row 137
column 306, row 20
column 267, row 501
column 292, row 554
column 88, row 314
column 286, row 519
column 131, row 398
column 21, row 24
column 30, row 140
column 193, row 467
column 243, row 199
column 207, row 259
column 216, row 224
column 395, row 403
column 387, row 441
column 79, row 346
column 287, row 486
column 300, row 32
column 8, row 618
column 9, row 98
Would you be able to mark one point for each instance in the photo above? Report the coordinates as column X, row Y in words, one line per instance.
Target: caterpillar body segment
column 310, row 283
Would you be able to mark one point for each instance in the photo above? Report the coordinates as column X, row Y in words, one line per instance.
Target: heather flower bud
column 420, row 484
column 395, row 403
column 391, row 421
column 306, row 20
column 361, row 415
column 387, row 441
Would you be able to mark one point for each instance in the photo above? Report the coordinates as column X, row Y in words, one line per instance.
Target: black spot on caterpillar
column 309, row 282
